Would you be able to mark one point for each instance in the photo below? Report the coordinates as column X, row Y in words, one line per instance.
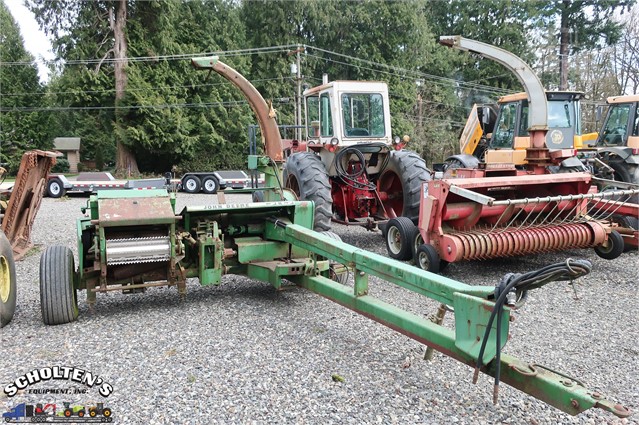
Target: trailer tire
column 428, row 259
column 55, row 188
column 305, row 174
column 58, row 299
column 402, row 180
column 400, row 234
column 8, row 285
column 191, row 184
column 613, row 247
column 210, row 185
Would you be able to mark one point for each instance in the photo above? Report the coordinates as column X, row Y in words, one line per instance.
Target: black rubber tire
column 416, row 242
column 613, row 248
column 55, row 189
column 106, row 412
column 305, row 174
column 428, row 259
column 258, row 196
column 57, row 295
column 8, row 285
column 410, row 170
column 339, row 277
column 210, row 185
column 628, row 173
column 400, row 233
column 191, row 184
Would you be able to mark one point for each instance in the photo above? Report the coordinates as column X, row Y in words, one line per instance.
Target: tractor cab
column 346, row 113
column 510, row 138
column 621, row 127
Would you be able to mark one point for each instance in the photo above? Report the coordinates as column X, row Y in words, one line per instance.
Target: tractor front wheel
column 305, row 174
column 400, row 184
column 7, row 281
column 400, row 236
column 57, row 293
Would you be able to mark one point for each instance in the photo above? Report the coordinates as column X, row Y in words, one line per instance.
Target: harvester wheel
column 57, row 294
column 7, row 281
column 337, row 271
column 258, row 196
column 55, row 189
column 305, row 174
column 192, row 184
column 428, row 259
column 401, row 181
column 400, row 237
column 613, row 247
column 210, row 185
column 417, row 241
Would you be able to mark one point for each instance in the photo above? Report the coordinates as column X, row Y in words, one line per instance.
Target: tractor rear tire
column 57, row 294
column 402, row 179
column 613, row 248
column 428, row 259
column 400, row 236
column 192, row 184
column 305, row 174
column 7, row 281
column 210, row 185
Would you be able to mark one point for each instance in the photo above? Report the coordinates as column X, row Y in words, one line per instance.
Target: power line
column 140, row 89
column 160, row 106
column 181, row 56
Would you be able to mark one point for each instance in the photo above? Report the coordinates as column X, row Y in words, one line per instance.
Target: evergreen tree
column 21, row 129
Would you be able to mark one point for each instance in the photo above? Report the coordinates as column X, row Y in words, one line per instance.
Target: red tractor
column 351, row 167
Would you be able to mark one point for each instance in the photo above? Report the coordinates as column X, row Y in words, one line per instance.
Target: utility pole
column 298, row 100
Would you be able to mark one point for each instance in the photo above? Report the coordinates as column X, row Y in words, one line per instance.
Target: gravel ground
column 243, row 353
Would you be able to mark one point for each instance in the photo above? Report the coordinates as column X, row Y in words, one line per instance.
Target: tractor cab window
column 318, row 116
column 614, row 132
column 312, row 116
column 635, row 130
column 363, row 115
column 559, row 114
column 504, row 132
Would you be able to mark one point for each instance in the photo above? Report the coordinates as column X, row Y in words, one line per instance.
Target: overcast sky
column 34, row 40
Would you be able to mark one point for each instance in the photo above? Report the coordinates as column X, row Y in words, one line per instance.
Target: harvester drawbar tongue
column 273, row 241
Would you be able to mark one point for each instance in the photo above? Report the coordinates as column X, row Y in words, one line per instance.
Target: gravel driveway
column 243, row 353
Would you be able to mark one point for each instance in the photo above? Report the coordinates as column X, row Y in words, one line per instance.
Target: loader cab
column 510, row 137
column 621, row 126
column 345, row 113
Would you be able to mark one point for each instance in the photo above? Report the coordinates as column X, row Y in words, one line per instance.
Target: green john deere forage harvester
column 133, row 240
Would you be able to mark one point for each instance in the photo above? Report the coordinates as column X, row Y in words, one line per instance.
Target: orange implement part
column 25, row 199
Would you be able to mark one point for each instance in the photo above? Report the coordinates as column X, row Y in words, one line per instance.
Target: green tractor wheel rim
column 5, row 279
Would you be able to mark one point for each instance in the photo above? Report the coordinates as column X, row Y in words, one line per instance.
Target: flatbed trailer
column 58, row 185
